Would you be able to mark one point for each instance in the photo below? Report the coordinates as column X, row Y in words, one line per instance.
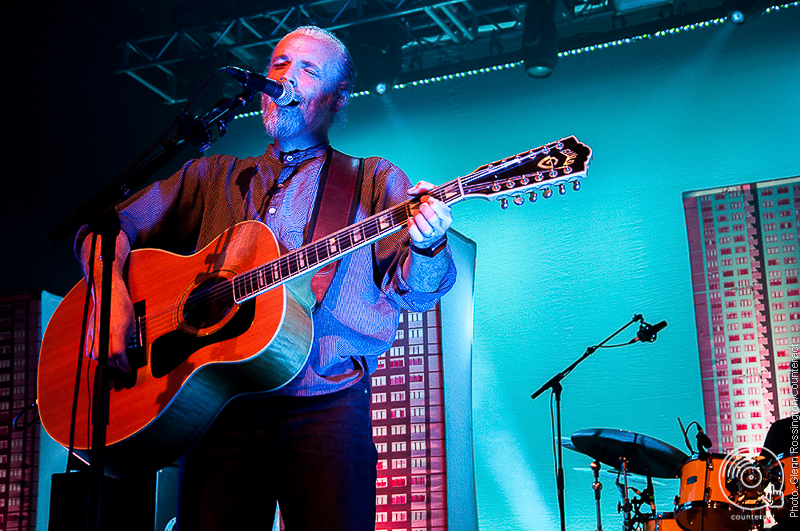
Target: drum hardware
column 597, row 487
column 661, row 522
column 645, row 498
column 631, row 453
column 717, row 492
column 624, row 506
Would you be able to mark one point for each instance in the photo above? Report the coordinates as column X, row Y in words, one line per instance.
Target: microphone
column 703, row 443
column 281, row 92
column 647, row 333
column 703, row 439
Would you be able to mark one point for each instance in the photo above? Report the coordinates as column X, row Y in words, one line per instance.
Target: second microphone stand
column 554, row 384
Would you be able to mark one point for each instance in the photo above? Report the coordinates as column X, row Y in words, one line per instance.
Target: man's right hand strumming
column 122, row 315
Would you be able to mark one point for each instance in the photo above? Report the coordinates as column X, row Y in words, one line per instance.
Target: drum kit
column 717, row 492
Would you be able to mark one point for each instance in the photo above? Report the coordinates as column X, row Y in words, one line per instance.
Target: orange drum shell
column 696, row 476
column 698, row 511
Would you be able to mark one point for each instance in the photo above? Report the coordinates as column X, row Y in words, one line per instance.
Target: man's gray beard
column 282, row 124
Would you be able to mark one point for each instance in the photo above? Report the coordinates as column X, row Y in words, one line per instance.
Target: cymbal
column 646, row 456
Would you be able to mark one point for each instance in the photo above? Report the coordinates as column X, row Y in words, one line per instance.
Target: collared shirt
column 357, row 321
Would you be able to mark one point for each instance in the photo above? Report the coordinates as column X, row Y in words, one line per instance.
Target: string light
column 566, row 53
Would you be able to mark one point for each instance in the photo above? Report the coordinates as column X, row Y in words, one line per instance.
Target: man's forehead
column 307, row 47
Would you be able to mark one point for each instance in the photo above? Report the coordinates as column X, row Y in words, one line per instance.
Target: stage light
column 378, row 58
column 380, row 72
column 540, row 38
column 736, row 16
column 742, row 11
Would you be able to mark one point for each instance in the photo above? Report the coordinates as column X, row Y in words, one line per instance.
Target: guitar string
column 283, row 263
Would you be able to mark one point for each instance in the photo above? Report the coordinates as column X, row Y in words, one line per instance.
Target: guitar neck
column 553, row 164
column 335, row 246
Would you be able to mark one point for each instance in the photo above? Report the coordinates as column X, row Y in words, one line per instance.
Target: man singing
column 307, row 445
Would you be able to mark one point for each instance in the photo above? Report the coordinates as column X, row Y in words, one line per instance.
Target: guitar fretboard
column 331, row 248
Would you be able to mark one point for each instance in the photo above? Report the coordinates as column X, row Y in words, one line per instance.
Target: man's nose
column 290, row 74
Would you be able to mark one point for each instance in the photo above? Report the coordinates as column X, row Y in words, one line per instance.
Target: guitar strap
column 339, row 184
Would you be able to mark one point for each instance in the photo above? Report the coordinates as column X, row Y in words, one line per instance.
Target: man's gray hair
column 346, row 67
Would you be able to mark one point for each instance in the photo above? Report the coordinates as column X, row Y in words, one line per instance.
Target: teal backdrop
column 715, row 106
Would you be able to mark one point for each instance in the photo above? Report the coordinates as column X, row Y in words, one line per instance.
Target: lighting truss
column 437, row 38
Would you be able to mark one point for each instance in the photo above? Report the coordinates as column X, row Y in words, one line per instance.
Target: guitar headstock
column 552, row 166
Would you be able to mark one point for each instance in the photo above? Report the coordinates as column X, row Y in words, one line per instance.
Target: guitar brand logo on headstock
column 550, row 162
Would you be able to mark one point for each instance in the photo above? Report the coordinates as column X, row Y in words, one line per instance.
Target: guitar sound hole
column 208, row 303
column 173, row 348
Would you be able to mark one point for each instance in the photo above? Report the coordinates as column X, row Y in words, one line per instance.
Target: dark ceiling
column 170, row 46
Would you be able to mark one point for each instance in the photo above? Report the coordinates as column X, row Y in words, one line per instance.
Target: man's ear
column 341, row 101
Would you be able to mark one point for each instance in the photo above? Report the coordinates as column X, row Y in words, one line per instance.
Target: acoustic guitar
column 233, row 319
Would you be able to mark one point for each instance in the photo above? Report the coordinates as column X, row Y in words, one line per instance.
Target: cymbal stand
column 643, row 498
column 597, row 487
column 625, row 505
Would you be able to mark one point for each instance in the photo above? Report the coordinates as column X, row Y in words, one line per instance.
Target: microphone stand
column 100, row 214
column 554, row 384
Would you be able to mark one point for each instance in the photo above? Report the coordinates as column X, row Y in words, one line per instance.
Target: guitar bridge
column 135, row 340
column 135, row 349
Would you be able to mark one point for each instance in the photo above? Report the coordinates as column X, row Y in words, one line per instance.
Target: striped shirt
column 357, row 321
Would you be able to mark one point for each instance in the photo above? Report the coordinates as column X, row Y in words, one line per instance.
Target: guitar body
column 199, row 349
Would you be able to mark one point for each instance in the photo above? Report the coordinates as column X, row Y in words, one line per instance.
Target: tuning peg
column 510, row 183
column 576, row 185
column 562, row 189
column 519, row 200
column 533, row 197
column 548, row 193
column 504, row 203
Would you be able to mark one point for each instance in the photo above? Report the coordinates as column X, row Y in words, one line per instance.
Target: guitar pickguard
column 173, row 348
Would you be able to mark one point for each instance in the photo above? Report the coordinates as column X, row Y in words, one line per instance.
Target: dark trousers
column 314, row 455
